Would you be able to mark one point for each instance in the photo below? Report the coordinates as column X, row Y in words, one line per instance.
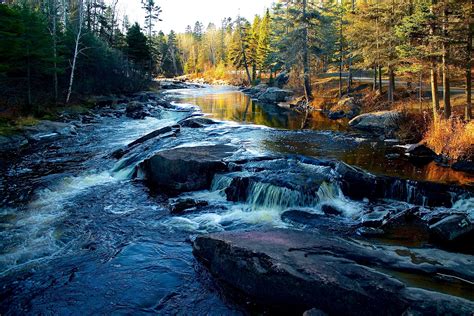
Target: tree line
column 391, row 38
column 55, row 51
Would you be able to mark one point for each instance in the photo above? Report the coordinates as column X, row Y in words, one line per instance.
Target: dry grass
column 452, row 138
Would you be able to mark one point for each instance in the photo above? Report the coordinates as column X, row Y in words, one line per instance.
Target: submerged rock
column 380, row 123
column 420, row 153
column 453, row 227
column 185, row 169
column 292, row 271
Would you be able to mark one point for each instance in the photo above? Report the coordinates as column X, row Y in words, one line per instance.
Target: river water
column 78, row 235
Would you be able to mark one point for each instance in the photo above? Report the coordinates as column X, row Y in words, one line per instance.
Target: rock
column 136, row 110
column 293, row 271
column 179, row 206
column 452, row 227
column 165, row 131
column 330, row 210
column 196, row 122
column 46, row 131
column 464, row 165
column 348, row 107
column 282, row 79
column 375, row 218
column 336, row 115
column 314, row 312
column 274, row 95
column 12, row 142
column 383, row 122
column 406, row 226
column 420, row 153
column 370, row 232
column 186, row 169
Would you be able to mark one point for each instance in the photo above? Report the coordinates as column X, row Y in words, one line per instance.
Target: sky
column 177, row 14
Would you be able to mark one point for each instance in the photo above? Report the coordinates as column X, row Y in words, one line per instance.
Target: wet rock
column 294, row 271
column 348, row 107
column 165, row 131
column 12, row 142
column 375, row 218
column 274, row 95
column 464, row 165
column 452, row 227
column 420, row 153
column 182, row 205
column 331, row 210
column 370, row 232
column 196, row 122
column 383, row 122
column 185, row 169
column 314, row 312
column 136, row 110
column 46, row 131
column 407, row 226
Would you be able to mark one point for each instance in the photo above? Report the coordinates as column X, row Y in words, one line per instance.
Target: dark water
column 79, row 236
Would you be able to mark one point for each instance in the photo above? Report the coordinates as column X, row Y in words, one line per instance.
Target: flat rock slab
column 295, row 271
column 185, row 169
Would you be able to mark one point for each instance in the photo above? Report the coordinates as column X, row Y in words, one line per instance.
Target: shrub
column 453, row 138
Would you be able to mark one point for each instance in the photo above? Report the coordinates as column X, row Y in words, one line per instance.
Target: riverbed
column 81, row 234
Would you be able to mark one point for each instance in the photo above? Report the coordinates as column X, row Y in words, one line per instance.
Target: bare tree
column 80, row 17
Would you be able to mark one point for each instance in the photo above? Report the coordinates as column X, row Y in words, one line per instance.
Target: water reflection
column 231, row 105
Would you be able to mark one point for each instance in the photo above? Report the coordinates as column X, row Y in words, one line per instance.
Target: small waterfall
column 269, row 196
column 220, row 182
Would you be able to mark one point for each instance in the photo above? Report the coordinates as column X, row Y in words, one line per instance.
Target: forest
column 56, row 51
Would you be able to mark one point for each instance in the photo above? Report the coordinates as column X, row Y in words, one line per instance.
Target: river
column 79, row 235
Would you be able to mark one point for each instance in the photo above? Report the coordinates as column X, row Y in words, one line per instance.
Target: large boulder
column 274, row 95
column 292, row 271
column 136, row 110
column 186, row 169
column 452, row 228
column 48, row 131
column 380, row 123
column 348, row 107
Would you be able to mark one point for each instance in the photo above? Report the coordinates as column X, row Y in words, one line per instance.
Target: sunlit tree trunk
column 375, row 79
column 468, row 110
column 306, row 69
column 445, row 56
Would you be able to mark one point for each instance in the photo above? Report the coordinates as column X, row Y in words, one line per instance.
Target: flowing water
column 78, row 235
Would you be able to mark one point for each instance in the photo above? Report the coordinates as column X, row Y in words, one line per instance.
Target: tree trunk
column 420, row 90
column 434, row 89
column 375, row 79
column 349, row 62
column 306, row 69
column 380, row 79
column 468, row 110
column 76, row 51
column 341, row 49
column 445, row 57
column 391, row 79
column 244, row 55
